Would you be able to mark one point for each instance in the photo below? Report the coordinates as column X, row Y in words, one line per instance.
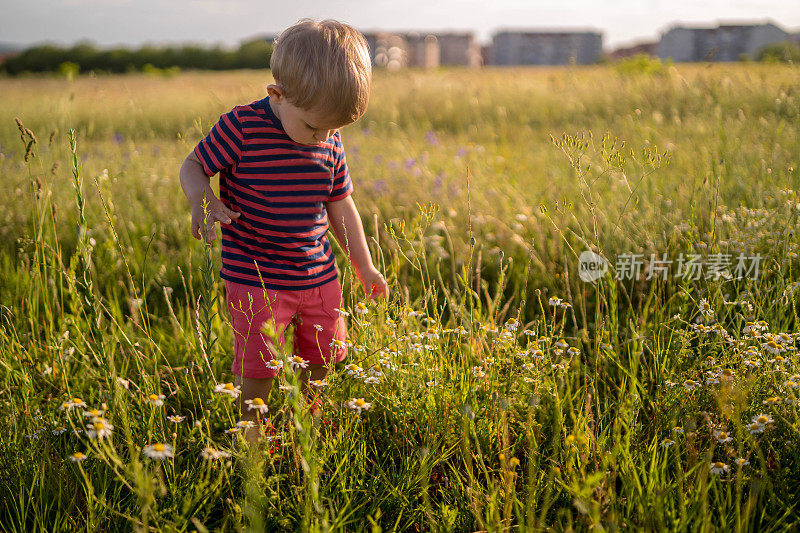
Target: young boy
column 283, row 182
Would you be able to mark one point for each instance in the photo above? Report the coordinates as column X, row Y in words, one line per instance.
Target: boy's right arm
column 195, row 185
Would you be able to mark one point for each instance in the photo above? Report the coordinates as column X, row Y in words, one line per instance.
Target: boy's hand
column 216, row 212
column 374, row 284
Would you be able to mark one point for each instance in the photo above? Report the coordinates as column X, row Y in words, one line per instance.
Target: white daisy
column 353, row 369
column 719, row 468
column 762, row 419
column 772, row 347
column 158, row 451
column 275, row 364
column 358, row 404
column 666, row 443
column 298, row 362
column 257, row 404
column 690, row 385
column 755, row 427
column 229, row 389
column 156, row 399
column 77, row 457
column 214, row 454
column 722, row 436
column 73, row 403
column 176, row 419
column 99, row 428
column 705, row 308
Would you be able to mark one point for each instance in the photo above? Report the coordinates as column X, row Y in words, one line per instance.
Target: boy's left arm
column 346, row 225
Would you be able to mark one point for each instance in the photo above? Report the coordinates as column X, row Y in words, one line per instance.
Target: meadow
column 502, row 392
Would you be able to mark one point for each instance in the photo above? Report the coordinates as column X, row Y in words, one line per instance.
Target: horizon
column 622, row 24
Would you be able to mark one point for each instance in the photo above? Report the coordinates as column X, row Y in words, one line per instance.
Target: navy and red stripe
column 280, row 187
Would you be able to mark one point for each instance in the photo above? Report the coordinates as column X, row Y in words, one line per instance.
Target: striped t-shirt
column 280, row 187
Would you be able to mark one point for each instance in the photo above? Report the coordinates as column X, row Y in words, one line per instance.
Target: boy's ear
column 275, row 92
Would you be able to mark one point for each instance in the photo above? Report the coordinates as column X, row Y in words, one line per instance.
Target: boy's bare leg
column 252, row 388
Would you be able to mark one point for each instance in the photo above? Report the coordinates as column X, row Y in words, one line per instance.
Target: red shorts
column 304, row 309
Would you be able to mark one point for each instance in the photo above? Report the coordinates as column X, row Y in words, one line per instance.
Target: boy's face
column 303, row 126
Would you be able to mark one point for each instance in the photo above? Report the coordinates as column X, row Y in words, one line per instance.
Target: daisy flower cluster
column 753, row 359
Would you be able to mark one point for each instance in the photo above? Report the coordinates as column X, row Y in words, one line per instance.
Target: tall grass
column 496, row 407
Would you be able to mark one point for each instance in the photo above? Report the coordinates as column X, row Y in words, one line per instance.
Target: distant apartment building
column 459, row 49
column 546, row 48
column 723, row 43
column 395, row 50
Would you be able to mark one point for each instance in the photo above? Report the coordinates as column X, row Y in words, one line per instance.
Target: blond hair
column 324, row 66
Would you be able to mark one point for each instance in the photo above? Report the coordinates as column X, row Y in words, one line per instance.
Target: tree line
column 85, row 57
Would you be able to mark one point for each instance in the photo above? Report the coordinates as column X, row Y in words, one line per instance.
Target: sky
column 228, row 22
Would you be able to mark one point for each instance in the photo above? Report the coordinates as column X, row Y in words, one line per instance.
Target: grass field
column 511, row 394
